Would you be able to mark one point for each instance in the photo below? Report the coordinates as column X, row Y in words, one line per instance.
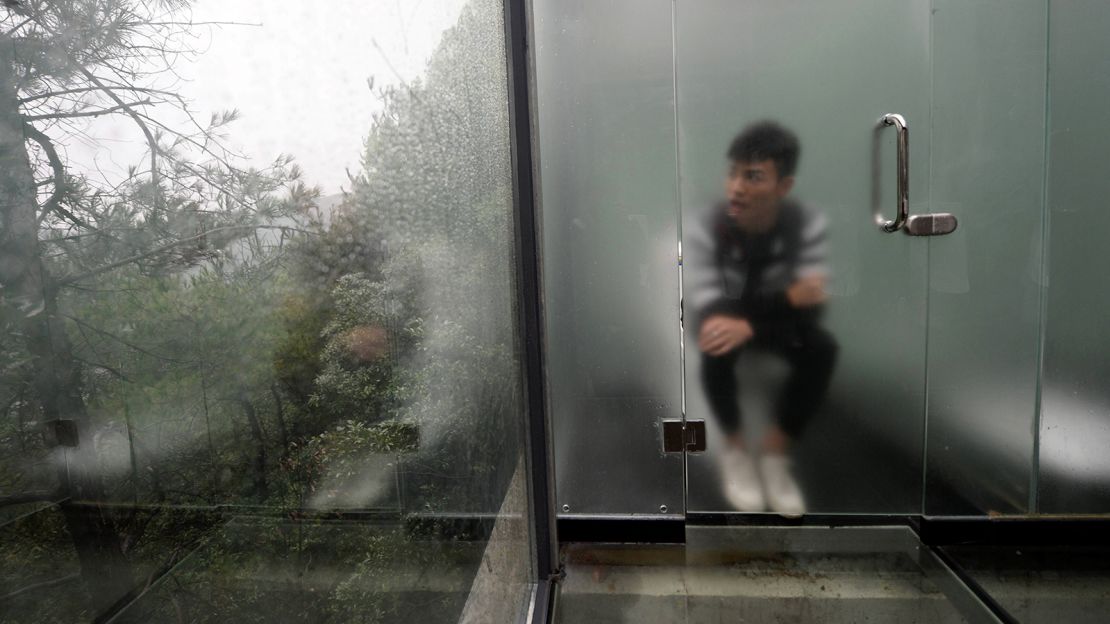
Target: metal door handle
column 899, row 122
column 936, row 224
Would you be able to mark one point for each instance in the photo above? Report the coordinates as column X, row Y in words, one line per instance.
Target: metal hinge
column 679, row 436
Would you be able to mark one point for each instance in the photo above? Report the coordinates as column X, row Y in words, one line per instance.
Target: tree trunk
column 279, row 412
column 260, row 488
column 29, row 294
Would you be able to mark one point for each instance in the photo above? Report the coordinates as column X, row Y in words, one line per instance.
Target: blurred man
column 758, row 275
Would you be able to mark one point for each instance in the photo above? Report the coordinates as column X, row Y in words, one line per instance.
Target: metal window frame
column 530, row 307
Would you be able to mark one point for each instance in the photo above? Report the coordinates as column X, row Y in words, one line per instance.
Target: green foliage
column 297, row 355
column 367, row 333
column 325, row 466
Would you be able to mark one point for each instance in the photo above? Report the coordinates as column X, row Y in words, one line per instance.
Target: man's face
column 754, row 190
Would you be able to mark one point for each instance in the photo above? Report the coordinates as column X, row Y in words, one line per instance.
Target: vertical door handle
column 934, row 224
column 899, row 122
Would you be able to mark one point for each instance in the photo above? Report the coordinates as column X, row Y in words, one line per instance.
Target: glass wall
column 1075, row 398
column 259, row 357
column 605, row 137
column 988, row 129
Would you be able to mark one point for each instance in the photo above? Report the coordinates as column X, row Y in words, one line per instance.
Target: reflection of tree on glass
column 757, row 278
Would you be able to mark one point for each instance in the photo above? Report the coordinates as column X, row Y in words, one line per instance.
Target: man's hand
column 807, row 292
column 720, row 334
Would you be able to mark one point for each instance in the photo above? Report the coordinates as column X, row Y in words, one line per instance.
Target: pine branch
column 110, row 92
column 157, row 250
column 110, row 335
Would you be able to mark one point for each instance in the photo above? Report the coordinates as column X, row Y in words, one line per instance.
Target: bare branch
column 17, row 27
column 57, row 167
column 151, row 141
column 75, row 90
column 93, row 113
column 115, row 372
column 256, row 25
column 54, row 203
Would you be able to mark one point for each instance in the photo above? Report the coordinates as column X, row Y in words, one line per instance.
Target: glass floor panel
column 766, row 574
column 272, row 570
column 1035, row 585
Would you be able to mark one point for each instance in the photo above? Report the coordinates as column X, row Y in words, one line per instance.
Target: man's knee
column 818, row 348
column 711, row 364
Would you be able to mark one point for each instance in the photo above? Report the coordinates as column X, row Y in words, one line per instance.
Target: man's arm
column 716, row 316
column 703, row 288
column 811, row 270
column 807, row 292
column 802, row 299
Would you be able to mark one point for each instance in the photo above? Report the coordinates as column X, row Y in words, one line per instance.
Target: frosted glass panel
column 607, row 168
column 828, row 71
column 985, row 278
column 1075, row 420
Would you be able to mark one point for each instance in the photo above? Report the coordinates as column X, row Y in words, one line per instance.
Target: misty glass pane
column 1074, row 467
column 985, row 278
column 605, row 114
column 258, row 346
column 826, row 71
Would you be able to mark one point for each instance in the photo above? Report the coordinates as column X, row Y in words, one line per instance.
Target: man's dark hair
column 767, row 140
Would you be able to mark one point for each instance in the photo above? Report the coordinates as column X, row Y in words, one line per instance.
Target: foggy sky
column 297, row 74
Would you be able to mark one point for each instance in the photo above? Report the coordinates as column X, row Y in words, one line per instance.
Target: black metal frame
column 529, row 297
column 543, row 603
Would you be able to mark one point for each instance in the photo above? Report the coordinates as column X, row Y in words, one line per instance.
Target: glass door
column 804, row 319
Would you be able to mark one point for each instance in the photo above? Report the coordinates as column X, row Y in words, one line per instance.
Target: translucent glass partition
column 827, row 71
column 988, row 77
column 1074, row 467
column 240, row 385
column 941, row 343
column 605, row 122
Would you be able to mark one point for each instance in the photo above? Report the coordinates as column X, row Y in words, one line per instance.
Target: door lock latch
column 936, row 224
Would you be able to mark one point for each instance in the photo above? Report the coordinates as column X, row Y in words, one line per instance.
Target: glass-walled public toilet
column 554, row 311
